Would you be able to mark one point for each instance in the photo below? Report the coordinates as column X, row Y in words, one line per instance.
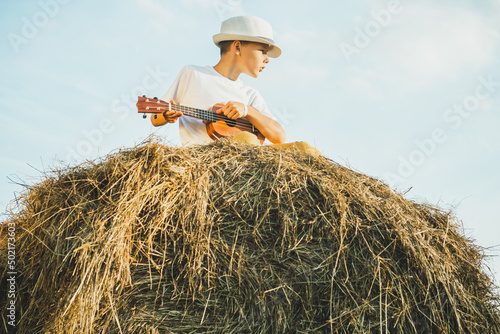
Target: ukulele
column 218, row 125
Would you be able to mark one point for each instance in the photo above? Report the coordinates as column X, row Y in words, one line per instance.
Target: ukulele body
column 219, row 129
column 218, row 125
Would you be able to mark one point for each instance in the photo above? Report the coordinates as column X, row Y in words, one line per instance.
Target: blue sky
column 406, row 91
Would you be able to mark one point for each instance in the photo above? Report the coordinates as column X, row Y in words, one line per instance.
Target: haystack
column 228, row 238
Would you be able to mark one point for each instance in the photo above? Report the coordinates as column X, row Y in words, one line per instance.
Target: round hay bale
column 229, row 238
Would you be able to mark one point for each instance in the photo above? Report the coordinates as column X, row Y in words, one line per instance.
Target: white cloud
column 435, row 41
column 155, row 7
column 223, row 8
column 202, row 3
column 425, row 47
column 362, row 84
column 161, row 16
column 311, row 43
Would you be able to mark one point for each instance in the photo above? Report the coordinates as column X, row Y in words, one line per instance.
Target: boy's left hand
column 232, row 110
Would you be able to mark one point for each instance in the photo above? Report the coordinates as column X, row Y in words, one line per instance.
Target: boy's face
column 254, row 58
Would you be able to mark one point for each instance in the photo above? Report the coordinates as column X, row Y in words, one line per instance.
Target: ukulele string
column 209, row 115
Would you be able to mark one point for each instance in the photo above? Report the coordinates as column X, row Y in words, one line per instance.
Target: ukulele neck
column 157, row 106
column 205, row 115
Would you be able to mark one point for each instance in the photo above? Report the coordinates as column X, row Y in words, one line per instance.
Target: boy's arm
column 166, row 117
column 271, row 129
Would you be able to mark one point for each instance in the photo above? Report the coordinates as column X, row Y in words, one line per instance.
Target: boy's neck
column 228, row 68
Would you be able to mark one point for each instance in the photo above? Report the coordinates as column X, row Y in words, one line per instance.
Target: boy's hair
column 226, row 45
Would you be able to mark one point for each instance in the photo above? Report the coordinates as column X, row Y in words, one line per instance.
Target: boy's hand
column 172, row 116
column 232, row 110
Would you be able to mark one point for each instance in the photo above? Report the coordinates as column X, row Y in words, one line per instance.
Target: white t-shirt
column 201, row 88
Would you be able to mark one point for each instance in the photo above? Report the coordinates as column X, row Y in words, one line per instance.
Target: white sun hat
column 250, row 29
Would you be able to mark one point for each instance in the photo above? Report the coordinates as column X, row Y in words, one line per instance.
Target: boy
column 246, row 43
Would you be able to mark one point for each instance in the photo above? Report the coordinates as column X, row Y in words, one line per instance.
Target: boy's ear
column 237, row 46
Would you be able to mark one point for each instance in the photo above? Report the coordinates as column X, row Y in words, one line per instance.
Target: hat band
column 240, row 37
column 266, row 39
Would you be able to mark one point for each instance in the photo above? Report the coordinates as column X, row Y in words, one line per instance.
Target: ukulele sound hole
column 231, row 122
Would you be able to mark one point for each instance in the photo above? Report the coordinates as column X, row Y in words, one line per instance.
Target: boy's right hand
column 172, row 116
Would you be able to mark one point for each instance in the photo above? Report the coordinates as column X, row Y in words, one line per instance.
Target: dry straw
column 229, row 238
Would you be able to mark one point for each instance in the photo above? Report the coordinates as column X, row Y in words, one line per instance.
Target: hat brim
column 274, row 51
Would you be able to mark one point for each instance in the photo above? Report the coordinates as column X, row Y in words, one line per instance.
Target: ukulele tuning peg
column 144, row 96
column 155, row 98
column 144, row 116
